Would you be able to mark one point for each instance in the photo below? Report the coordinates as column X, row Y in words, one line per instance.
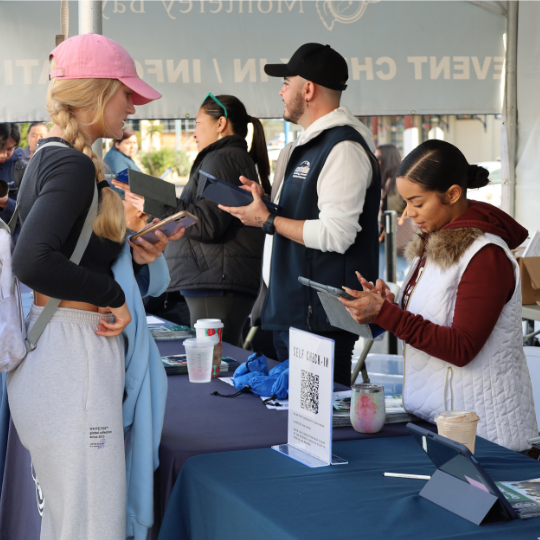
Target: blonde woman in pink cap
column 66, row 396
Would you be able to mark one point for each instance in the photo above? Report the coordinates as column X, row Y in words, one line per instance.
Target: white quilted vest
column 496, row 384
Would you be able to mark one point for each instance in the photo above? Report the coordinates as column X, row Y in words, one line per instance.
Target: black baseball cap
column 315, row 62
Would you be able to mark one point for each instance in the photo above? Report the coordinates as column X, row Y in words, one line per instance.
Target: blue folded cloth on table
column 254, row 376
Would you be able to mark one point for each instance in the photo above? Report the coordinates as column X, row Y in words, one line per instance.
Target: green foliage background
column 24, row 131
column 155, row 163
column 158, row 161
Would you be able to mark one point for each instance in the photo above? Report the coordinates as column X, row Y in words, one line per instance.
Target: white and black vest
column 496, row 383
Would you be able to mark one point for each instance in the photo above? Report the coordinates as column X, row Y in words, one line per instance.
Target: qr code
column 309, row 392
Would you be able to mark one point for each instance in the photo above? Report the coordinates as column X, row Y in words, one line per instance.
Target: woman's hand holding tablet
column 151, row 241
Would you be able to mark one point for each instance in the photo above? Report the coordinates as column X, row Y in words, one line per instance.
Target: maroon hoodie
column 485, row 287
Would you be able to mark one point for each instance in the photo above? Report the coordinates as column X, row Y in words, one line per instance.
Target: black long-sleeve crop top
column 54, row 198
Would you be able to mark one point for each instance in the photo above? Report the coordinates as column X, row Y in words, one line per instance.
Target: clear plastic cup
column 199, row 353
column 212, row 328
column 460, row 426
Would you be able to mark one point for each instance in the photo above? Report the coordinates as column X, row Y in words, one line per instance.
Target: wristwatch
column 268, row 225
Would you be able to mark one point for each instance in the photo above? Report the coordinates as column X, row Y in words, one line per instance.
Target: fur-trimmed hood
column 445, row 247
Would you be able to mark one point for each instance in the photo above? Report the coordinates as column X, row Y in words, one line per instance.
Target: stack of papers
column 152, row 320
column 394, row 410
column 342, row 409
column 166, row 332
column 524, row 496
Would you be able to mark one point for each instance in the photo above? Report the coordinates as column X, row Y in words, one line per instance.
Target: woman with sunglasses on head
column 66, row 396
column 459, row 313
column 217, row 265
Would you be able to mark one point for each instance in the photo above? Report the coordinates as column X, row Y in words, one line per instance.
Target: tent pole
column 90, row 17
column 91, row 21
column 511, row 102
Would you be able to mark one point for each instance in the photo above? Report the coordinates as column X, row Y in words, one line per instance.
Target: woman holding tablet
column 216, row 267
column 66, row 396
column 459, row 311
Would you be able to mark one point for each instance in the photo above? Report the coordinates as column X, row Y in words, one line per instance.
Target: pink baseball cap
column 92, row 56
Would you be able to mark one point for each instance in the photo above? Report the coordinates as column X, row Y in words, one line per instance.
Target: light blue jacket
column 145, row 391
column 117, row 161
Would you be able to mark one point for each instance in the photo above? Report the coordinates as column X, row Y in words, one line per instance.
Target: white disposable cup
column 199, row 353
column 460, row 426
column 212, row 328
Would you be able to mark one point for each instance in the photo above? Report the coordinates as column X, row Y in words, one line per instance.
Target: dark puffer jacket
column 218, row 252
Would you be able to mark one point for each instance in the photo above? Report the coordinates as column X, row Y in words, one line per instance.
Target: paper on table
column 533, row 248
column 150, row 320
column 523, row 495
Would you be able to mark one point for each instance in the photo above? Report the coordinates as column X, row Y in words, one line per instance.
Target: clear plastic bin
column 385, row 369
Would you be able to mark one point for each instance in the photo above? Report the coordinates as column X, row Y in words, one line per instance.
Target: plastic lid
column 456, row 417
column 199, row 342
column 209, row 323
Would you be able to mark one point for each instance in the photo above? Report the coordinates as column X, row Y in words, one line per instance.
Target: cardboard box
column 529, row 268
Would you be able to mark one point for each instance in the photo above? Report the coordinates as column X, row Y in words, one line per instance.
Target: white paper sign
column 311, row 374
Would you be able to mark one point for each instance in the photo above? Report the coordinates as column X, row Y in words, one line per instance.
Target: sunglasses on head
column 210, row 95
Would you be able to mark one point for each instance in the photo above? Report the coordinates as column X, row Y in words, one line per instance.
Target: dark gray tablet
column 225, row 193
column 456, row 460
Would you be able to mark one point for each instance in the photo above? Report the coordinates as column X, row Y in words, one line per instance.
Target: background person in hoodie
column 329, row 197
column 11, row 169
column 459, row 313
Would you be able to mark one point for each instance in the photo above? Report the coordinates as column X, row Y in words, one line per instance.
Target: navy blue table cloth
column 195, row 423
column 198, row 423
column 261, row 494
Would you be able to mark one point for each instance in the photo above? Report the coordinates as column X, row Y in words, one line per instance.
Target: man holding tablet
column 329, row 194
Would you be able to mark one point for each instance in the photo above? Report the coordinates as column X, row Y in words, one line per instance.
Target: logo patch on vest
column 302, row 170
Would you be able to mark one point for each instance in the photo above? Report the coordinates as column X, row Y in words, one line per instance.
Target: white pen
column 401, row 475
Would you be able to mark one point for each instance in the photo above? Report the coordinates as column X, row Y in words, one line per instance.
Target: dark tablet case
column 227, row 194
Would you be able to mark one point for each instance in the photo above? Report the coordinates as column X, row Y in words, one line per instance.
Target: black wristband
column 268, row 226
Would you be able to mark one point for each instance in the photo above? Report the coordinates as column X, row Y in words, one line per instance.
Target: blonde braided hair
column 64, row 99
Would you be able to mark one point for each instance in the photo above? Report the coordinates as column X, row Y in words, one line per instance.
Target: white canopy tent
column 520, row 143
column 400, row 58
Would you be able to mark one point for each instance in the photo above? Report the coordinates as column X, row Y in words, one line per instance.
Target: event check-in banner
column 404, row 57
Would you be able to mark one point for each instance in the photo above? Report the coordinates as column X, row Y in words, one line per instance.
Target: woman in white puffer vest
column 459, row 312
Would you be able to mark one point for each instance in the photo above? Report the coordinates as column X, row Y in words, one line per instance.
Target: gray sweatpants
column 66, row 403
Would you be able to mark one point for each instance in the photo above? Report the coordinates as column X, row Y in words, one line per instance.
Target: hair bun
column 477, row 177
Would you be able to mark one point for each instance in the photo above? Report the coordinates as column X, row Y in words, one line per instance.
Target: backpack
column 15, row 344
column 18, row 172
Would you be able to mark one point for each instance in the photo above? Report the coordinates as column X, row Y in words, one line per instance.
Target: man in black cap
column 328, row 186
